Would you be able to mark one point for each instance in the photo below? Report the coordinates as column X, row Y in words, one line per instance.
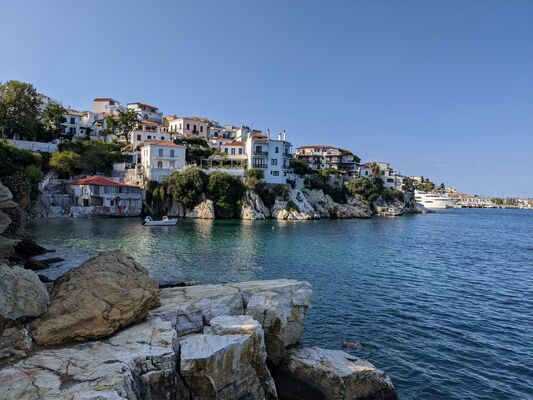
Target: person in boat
column 165, row 218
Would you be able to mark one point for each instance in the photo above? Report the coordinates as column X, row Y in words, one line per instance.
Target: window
column 149, row 136
column 276, row 149
column 201, row 129
column 72, row 120
column 226, row 150
column 160, row 164
column 390, row 180
column 172, row 164
column 172, row 153
column 160, row 152
column 240, row 150
column 274, row 161
column 274, row 173
column 194, row 128
column 188, row 127
column 162, row 138
column 139, row 137
column 120, row 189
column 233, row 151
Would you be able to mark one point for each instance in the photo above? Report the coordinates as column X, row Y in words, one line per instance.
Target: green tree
column 227, row 192
column 66, row 161
column 19, row 109
column 96, row 156
column 186, row 186
column 123, row 123
column 51, row 118
column 368, row 190
column 374, row 167
column 254, row 179
column 300, row 167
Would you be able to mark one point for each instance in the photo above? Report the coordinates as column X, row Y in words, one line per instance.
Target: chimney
column 284, row 135
column 279, row 136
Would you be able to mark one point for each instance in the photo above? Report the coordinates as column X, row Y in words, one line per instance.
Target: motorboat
column 434, row 200
column 148, row 221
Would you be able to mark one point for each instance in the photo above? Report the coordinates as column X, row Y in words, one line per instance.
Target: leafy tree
column 19, row 109
column 66, row 161
column 186, row 186
column 269, row 193
column 345, row 152
column 374, row 167
column 300, row 167
column 96, row 156
column 52, row 117
column 227, row 192
column 254, row 179
column 390, row 195
column 442, row 186
column 368, row 190
column 123, row 123
column 192, row 141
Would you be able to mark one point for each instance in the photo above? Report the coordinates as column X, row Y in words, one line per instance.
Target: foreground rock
column 96, row 299
column 138, row 363
column 6, row 202
column 313, row 373
column 201, row 342
column 22, row 294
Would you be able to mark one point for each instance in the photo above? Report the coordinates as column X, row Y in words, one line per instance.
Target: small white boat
column 434, row 200
column 148, row 221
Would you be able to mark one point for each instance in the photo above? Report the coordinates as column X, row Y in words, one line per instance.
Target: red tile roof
column 318, row 146
column 100, row 181
column 164, row 143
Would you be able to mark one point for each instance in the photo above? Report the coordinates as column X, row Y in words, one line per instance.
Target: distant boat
column 148, row 221
column 434, row 200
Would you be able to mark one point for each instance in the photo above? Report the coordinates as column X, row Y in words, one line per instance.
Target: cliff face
column 6, row 203
column 230, row 341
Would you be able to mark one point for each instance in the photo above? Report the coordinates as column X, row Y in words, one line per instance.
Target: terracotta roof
column 100, row 181
column 103, row 99
column 260, row 136
column 164, row 143
column 234, row 144
column 199, row 119
column 70, row 111
column 148, row 122
column 318, row 146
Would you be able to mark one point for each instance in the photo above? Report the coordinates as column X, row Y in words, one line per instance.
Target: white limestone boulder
column 138, row 363
column 253, row 207
column 220, row 367
column 313, row 373
column 204, row 210
column 280, row 307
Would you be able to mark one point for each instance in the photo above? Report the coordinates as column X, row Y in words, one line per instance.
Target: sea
column 442, row 302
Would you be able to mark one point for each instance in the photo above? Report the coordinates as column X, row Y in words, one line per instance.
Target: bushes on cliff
column 299, row 167
column 186, row 186
column 95, row 155
column 390, row 195
column 319, row 182
column 227, row 192
column 67, row 162
column 269, row 193
column 368, row 190
column 254, row 179
column 20, row 169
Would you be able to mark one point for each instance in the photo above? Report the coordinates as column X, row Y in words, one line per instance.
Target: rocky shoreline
column 105, row 330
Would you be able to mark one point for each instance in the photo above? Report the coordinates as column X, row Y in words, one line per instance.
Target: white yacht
column 434, row 200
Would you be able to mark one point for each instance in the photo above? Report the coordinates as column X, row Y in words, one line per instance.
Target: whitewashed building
column 106, row 106
column 147, row 112
column 234, row 150
column 271, row 156
column 390, row 177
column 160, row 158
column 191, row 126
column 99, row 196
column 322, row 157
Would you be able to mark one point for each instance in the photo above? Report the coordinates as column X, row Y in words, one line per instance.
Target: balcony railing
column 260, row 153
column 259, row 166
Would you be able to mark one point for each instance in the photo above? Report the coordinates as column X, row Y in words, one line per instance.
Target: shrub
column 292, row 206
column 269, row 193
column 364, row 189
column 227, row 192
column 186, row 186
column 96, row 156
column 390, row 195
column 66, row 161
column 254, row 179
column 299, row 167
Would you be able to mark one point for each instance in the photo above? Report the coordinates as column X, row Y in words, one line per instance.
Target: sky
column 442, row 89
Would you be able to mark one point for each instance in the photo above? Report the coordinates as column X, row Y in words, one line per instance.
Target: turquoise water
column 442, row 302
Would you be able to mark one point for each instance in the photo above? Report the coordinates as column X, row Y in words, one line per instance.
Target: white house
column 322, row 157
column 99, row 196
column 391, row 179
column 106, row 106
column 147, row 112
column 72, row 124
column 218, row 142
column 272, row 156
column 234, row 150
column 160, row 158
column 191, row 126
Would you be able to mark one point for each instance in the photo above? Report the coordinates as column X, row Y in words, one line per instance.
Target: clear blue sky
column 442, row 89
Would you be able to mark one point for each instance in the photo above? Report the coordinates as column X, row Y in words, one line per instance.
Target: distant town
column 149, row 146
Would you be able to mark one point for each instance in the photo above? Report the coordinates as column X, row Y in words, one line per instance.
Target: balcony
column 261, row 166
column 287, row 155
column 261, row 153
